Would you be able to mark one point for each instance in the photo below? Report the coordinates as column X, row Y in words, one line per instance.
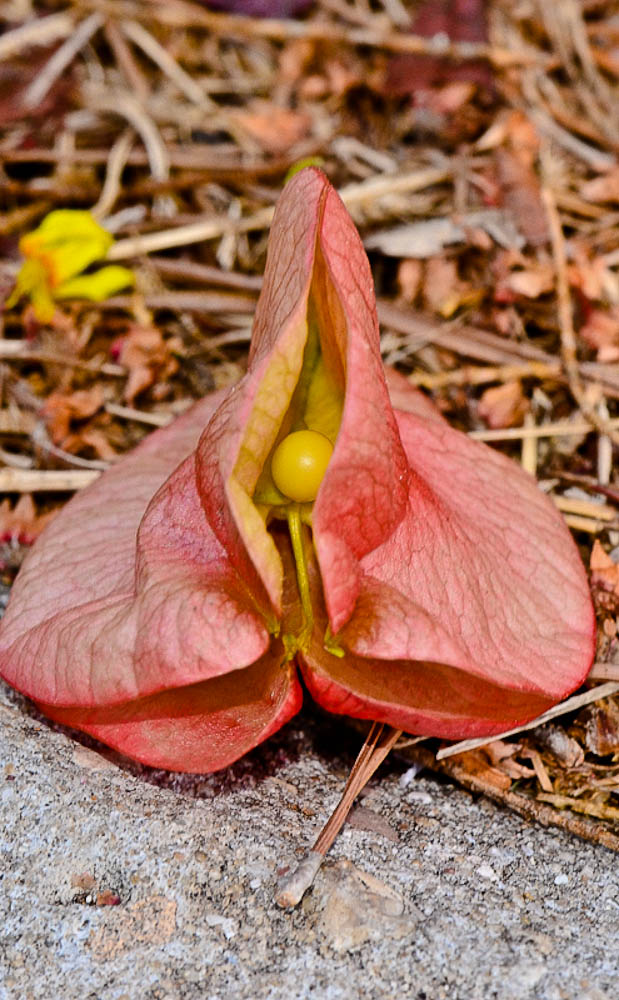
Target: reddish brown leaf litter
column 549, row 123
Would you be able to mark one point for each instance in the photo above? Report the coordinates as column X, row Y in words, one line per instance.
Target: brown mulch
column 476, row 146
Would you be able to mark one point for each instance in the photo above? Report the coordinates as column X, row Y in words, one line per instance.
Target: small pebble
column 409, row 776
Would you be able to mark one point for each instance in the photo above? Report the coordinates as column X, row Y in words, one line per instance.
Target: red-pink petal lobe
column 364, row 493
column 129, row 595
column 317, row 271
column 427, row 699
column 475, row 614
column 200, row 728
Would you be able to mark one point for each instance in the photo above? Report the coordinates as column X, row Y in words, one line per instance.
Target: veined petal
column 201, row 727
column 127, row 593
column 474, row 615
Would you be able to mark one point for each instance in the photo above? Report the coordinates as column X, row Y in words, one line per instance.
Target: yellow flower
column 65, row 244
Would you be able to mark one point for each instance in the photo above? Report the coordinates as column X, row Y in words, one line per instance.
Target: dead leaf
column 410, row 273
column 61, row 408
column 556, row 741
column 602, row 728
column 498, row 750
column 522, row 138
column 589, row 272
column 457, row 20
column 95, row 438
column 430, row 237
column 601, row 332
column 503, row 405
column 362, row 818
column 443, row 291
column 107, row 898
column 84, row 881
column 276, row 130
column 294, row 60
column 147, row 356
column 475, row 762
column 532, row 282
column 84, row 757
column 21, row 523
column 521, row 195
column 604, row 572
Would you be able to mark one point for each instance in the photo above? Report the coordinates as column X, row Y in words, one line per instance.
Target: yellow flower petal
column 66, row 242
column 42, row 304
column 97, row 286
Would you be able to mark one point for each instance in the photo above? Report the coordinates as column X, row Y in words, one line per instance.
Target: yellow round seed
column 299, row 464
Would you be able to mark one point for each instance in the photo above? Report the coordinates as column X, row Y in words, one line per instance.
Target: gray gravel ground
column 428, row 894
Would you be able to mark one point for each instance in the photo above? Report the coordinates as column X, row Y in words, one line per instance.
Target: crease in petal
column 198, row 728
column 486, row 554
column 421, row 697
column 364, row 493
column 316, row 340
column 118, row 599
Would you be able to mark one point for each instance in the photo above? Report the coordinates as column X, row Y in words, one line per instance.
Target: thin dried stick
column 115, row 166
column 141, row 416
column 352, row 195
column 39, row 31
column 474, row 342
column 43, row 443
column 600, row 810
column 14, row 421
column 202, row 274
column 570, row 705
column 195, row 232
column 476, row 375
column 377, row 745
column 15, row 461
column 548, row 127
column 561, row 428
column 125, row 60
column 529, row 808
column 540, row 771
column 207, row 302
column 129, row 108
column 14, row 350
column 61, row 58
column 151, row 47
column 38, row 481
column 604, row 672
column 179, row 14
column 585, row 508
column 588, row 525
column 528, row 450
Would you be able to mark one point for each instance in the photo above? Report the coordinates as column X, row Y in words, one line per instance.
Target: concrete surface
column 120, row 882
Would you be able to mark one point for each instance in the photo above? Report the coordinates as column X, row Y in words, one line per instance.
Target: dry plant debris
column 475, row 145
